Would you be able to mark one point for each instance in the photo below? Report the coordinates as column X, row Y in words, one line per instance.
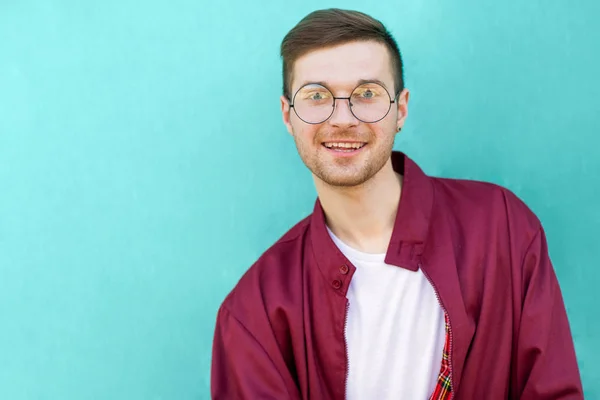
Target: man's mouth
column 344, row 147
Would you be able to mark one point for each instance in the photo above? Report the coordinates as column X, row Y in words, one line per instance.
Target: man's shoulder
column 295, row 233
column 482, row 216
column 485, row 201
column 274, row 273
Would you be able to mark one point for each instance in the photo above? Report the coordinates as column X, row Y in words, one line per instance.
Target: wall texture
column 144, row 167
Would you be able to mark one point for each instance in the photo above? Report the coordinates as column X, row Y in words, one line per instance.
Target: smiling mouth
column 344, row 147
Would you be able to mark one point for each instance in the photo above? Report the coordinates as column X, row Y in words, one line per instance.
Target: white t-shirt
column 395, row 330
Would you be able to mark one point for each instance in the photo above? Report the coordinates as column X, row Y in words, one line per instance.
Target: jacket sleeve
column 546, row 364
column 241, row 368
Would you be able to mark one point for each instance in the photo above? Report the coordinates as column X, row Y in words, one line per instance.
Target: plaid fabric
column 443, row 389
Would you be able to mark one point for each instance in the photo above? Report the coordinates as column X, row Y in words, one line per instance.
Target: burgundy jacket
column 280, row 332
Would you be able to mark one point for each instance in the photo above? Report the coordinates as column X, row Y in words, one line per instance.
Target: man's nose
column 342, row 115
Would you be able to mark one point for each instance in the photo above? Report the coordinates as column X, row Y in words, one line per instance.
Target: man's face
column 341, row 69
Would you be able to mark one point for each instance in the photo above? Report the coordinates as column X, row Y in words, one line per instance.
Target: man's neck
column 363, row 217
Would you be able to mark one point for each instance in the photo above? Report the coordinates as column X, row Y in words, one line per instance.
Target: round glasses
column 314, row 104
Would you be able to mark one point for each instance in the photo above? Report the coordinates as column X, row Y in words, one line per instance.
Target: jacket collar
column 408, row 236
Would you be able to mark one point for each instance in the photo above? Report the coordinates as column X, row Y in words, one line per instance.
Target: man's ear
column 402, row 105
column 286, row 113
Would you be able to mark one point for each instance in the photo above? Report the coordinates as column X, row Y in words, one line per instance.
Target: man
column 399, row 285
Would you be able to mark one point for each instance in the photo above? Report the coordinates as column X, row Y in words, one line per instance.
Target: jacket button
column 344, row 269
column 336, row 284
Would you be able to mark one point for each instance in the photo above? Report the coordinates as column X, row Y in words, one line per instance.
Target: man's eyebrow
column 312, row 83
column 363, row 81
column 358, row 83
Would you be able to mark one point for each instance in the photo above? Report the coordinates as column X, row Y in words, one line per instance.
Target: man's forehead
column 344, row 65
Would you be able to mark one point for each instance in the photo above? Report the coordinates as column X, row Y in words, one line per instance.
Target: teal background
column 144, row 167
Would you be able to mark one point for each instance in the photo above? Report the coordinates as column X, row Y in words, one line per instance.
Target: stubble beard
column 346, row 172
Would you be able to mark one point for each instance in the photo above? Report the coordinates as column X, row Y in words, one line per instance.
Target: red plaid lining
column 443, row 389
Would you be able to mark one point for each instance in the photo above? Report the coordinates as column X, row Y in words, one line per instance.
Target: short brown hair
column 332, row 27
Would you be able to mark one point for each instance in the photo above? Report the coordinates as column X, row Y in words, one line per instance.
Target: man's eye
column 368, row 94
column 317, row 96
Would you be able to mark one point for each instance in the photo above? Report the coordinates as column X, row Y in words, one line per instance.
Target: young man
column 399, row 285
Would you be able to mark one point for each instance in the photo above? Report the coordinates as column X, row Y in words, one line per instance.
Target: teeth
column 344, row 145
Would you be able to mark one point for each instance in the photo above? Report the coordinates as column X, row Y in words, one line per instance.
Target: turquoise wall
column 144, row 166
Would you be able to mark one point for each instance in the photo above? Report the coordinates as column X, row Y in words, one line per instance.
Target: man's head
column 338, row 53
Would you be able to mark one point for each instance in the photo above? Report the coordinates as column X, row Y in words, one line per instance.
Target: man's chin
column 342, row 180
